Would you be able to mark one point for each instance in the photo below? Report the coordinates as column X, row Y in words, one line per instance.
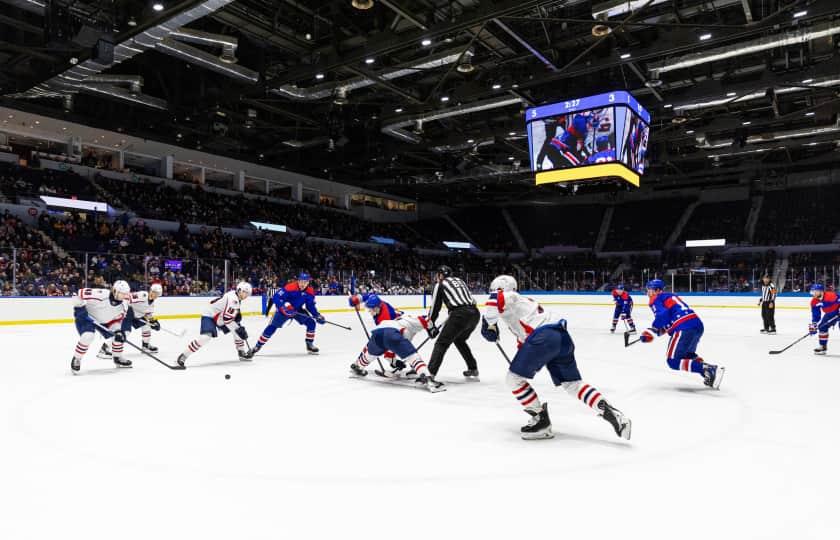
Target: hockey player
column 393, row 332
column 296, row 300
column 222, row 313
column 565, row 150
column 623, row 308
column 604, row 153
column 674, row 317
column 140, row 315
column 543, row 342
column 108, row 308
column 825, row 313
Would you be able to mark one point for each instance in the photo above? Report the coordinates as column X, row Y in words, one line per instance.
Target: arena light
column 269, row 226
column 60, row 202
column 383, row 240
column 714, row 242
column 458, row 245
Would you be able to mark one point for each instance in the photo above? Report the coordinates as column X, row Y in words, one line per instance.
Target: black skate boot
column 75, row 365
column 104, row 353
column 772, row 331
column 540, row 425
column 471, row 374
column 620, row 423
column 148, row 347
column 713, row 375
column 430, row 383
column 246, row 356
column 311, row 348
column 821, row 350
column 357, row 370
column 612, row 329
column 763, row 331
column 182, row 360
column 632, row 330
column 121, row 362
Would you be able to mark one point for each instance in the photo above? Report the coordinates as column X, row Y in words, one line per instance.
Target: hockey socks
column 693, row 365
column 196, row 344
column 82, row 345
column 588, row 394
column 523, row 392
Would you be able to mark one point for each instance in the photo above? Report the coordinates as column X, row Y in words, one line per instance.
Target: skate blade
column 718, row 377
column 436, row 389
column 626, row 429
column 104, row 356
column 544, row 434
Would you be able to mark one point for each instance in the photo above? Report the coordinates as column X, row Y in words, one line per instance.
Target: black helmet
column 445, row 270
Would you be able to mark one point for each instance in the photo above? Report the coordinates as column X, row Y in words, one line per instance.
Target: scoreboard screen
column 588, row 138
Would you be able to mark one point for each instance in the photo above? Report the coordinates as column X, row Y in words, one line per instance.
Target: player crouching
column 222, row 313
column 673, row 316
column 141, row 311
column 392, row 333
column 543, row 342
column 829, row 303
column 103, row 311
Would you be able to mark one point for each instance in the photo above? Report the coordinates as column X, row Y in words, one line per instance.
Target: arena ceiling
column 425, row 98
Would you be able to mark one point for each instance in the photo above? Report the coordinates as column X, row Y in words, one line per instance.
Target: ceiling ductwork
column 201, row 58
column 227, row 43
column 133, row 82
column 70, row 80
column 792, row 134
column 33, row 6
column 323, row 91
column 111, row 91
column 796, row 37
column 615, row 8
column 396, row 130
column 826, row 82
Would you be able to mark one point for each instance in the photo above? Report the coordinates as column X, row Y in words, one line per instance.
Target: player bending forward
column 141, row 311
column 223, row 314
column 108, row 308
column 543, row 342
column 393, row 333
column 674, row 317
column 623, row 308
column 296, row 300
column 829, row 303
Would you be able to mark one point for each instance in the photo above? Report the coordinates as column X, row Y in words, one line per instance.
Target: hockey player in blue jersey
column 674, row 317
column 604, row 153
column 565, row 150
column 623, row 308
column 295, row 300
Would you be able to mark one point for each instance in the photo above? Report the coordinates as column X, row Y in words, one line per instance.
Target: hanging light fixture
column 362, row 4
column 465, row 63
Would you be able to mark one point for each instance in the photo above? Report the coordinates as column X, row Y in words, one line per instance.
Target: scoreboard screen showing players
column 587, row 138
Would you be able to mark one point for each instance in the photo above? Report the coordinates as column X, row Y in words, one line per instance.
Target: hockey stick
column 501, row 350
column 627, row 341
column 308, row 316
column 780, row 351
column 172, row 332
column 359, row 315
column 147, row 353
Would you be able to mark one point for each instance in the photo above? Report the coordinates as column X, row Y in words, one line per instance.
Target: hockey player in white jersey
column 543, row 341
column 222, row 313
column 142, row 314
column 108, row 308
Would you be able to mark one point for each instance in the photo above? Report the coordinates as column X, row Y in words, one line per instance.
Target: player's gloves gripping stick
column 647, row 336
column 432, row 330
column 354, row 300
column 119, row 336
column 154, row 324
column 241, row 332
column 812, row 329
column 320, row 319
column 488, row 331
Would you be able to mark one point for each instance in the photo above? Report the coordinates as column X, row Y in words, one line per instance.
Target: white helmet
column 245, row 287
column 504, row 282
column 120, row 287
column 157, row 289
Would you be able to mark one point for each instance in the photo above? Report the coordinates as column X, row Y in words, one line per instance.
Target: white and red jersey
column 408, row 325
column 141, row 305
column 223, row 310
column 98, row 304
column 523, row 315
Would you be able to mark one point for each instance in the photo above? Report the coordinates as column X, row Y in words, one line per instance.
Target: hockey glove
column 238, row 317
column 432, row 330
column 119, row 336
column 241, row 332
column 155, row 324
column 647, row 336
column 812, row 329
column 490, row 332
column 354, row 300
column 320, row 319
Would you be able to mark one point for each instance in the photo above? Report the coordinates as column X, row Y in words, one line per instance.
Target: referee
column 463, row 318
column 768, row 305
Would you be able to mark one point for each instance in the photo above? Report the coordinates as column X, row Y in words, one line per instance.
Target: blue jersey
column 292, row 294
column 603, row 156
column 622, row 298
column 670, row 314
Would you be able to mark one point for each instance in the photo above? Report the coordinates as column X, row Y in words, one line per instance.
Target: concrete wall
column 18, row 311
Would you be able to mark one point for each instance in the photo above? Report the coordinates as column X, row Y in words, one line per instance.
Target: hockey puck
column 227, row 376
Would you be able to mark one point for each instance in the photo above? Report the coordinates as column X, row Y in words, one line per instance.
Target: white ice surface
column 291, row 447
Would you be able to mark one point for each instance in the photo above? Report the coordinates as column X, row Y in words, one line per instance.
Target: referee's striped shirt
column 453, row 292
column 768, row 292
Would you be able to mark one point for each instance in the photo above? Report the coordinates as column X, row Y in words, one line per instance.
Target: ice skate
column 612, row 330
column 104, row 353
column 148, row 347
column 771, row 332
column 620, row 423
column 122, row 362
column 632, row 330
column 75, row 365
column 471, row 374
column 540, row 425
column 430, row 383
column 311, row 348
column 182, row 360
column 821, row 350
column 764, row 331
column 357, row 370
column 246, row 356
column 712, row 375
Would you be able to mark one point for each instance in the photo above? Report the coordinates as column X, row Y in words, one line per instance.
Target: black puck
column 227, row 376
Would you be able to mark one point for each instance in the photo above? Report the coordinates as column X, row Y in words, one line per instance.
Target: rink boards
column 27, row 311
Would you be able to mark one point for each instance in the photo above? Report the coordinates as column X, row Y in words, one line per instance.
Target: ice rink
column 292, row 447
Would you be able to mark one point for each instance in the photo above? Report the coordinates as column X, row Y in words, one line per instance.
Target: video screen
column 635, row 143
column 573, row 139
